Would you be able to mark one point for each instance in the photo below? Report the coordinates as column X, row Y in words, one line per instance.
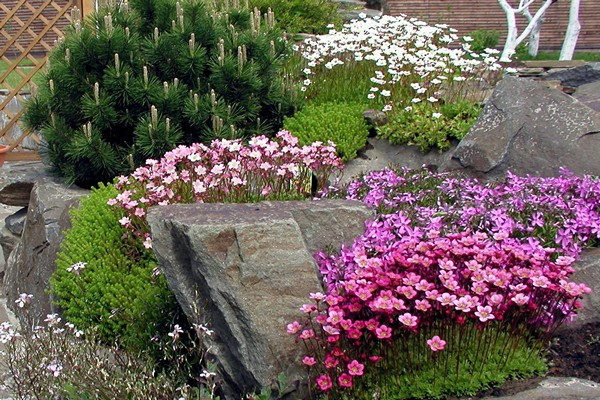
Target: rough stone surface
column 379, row 153
column 558, row 388
column 31, row 263
column 589, row 94
column 587, row 270
column 245, row 270
column 8, row 242
column 577, row 76
column 527, row 128
column 16, row 221
column 375, row 117
column 17, row 180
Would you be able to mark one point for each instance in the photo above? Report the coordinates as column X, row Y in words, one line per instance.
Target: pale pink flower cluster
column 227, row 171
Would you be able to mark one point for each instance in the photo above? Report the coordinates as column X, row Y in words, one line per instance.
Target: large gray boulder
column 577, row 76
column 31, row 263
column 245, row 270
column 17, row 180
column 527, row 128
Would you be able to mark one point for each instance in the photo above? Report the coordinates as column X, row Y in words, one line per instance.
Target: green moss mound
column 117, row 292
column 342, row 123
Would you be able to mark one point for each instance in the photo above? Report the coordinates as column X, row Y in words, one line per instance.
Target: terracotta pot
column 4, row 149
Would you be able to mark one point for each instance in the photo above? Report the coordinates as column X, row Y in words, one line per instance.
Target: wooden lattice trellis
column 28, row 29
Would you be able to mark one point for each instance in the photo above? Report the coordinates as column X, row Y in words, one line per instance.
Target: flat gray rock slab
column 558, row 388
column 589, row 94
column 379, row 154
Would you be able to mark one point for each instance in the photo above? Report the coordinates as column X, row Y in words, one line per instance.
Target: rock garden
column 223, row 212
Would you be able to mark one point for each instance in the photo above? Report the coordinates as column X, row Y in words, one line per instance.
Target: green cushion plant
column 135, row 80
column 107, row 283
column 342, row 123
column 431, row 127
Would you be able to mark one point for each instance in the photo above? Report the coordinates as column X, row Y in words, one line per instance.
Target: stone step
column 549, row 64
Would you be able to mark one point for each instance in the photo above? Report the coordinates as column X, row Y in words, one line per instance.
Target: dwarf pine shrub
column 107, row 283
column 135, row 80
column 342, row 123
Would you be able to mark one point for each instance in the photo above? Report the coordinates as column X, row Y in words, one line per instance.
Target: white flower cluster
column 406, row 50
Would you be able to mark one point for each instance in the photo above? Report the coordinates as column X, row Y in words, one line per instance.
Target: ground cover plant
column 402, row 66
column 130, row 84
column 454, row 288
column 51, row 359
column 301, row 16
column 342, row 123
column 110, row 285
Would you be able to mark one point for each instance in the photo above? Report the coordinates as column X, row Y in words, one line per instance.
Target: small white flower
column 416, row 100
column 207, row 374
column 432, row 99
column 436, row 115
column 371, row 96
column 175, row 332
column 386, row 93
column 203, row 329
column 75, row 268
column 23, row 299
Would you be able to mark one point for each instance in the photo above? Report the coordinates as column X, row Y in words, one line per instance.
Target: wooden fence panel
column 28, row 31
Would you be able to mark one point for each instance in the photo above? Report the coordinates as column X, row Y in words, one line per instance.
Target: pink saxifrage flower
column 324, row 382
column 436, row 343
column 355, row 368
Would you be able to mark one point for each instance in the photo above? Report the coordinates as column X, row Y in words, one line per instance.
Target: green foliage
column 342, row 123
column 484, row 39
column 301, row 16
column 488, row 358
column 118, row 292
column 429, row 127
column 131, row 83
column 589, row 56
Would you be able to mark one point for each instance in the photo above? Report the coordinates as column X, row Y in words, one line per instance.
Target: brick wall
column 469, row 15
column 25, row 14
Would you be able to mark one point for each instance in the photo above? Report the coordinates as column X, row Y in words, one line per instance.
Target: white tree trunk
column 534, row 36
column 572, row 33
column 513, row 39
